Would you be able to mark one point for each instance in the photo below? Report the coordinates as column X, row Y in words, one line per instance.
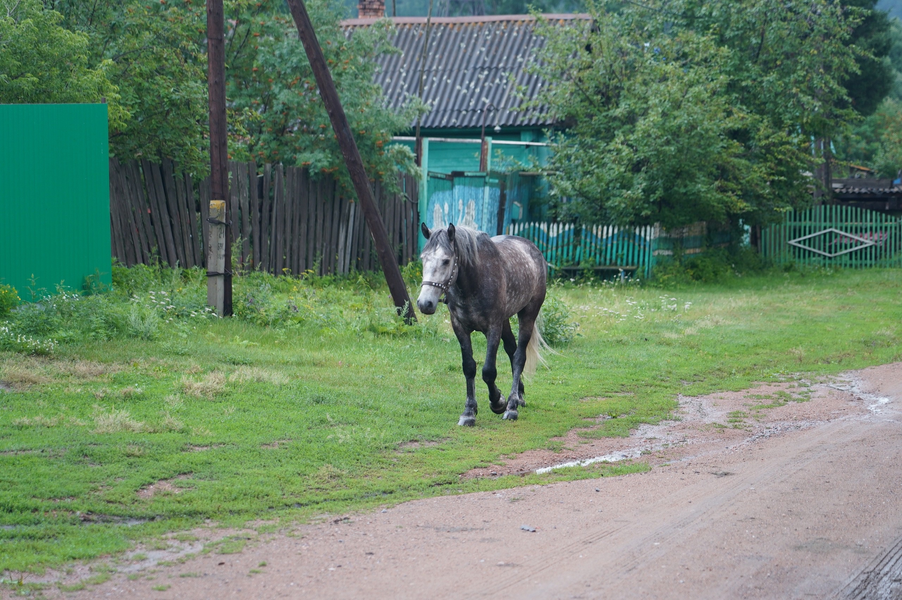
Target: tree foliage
column 694, row 110
column 875, row 141
column 41, row 61
column 274, row 94
column 156, row 52
column 873, row 79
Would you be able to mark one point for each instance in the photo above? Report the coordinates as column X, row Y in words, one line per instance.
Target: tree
column 158, row 53
column 874, row 141
column 873, row 79
column 41, row 62
column 693, row 110
column 272, row 89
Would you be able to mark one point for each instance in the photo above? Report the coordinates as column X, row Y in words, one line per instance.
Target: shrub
column 9, row 299
column 557, row 327
column 712, row 266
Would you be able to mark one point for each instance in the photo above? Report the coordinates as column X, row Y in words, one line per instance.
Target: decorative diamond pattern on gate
column 821, row 243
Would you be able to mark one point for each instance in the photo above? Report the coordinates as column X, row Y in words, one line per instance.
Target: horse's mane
column 466, row 243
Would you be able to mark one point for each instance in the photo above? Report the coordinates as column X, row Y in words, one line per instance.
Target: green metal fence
column 599, row 247
column 634, row 250
column 54, row 172
column 833, row 235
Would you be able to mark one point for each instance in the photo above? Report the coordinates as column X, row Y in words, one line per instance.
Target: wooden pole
column 352, row 159
column 219, row 251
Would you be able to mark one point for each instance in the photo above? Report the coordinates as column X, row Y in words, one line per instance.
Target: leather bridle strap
column 444, row 286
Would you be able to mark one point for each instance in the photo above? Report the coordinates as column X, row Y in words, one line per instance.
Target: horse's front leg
column 468, row 417
column 490, row 371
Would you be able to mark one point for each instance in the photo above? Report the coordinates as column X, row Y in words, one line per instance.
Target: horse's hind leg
column 490, row 371
column 527, row 320
column 510, row 347
column 468, row 417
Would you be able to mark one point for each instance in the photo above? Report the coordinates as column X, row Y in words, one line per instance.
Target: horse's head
column 440, row 267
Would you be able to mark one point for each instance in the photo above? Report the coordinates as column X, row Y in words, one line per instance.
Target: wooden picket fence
column 835, row 235
column 633, row 250
column 284, row 220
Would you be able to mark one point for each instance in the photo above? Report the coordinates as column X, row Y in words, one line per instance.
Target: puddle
column 874, row 402
column 609, row 458
column 151, row 558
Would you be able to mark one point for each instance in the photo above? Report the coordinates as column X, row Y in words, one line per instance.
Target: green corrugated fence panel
column 54, row 177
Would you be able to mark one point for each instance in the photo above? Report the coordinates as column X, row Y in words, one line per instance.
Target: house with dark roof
column 478, row 137
column 882, row 195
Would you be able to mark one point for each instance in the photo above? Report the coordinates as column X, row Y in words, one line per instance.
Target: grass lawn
column 142, row 414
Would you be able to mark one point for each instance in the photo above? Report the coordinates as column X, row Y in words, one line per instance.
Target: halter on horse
column 485, row 281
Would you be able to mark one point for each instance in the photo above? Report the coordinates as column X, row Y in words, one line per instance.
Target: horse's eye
column 446, row 262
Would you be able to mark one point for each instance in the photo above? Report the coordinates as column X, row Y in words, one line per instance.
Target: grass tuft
column 117, row 421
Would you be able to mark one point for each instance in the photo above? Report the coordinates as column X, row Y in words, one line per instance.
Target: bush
column 557, row 328
column 712, row 266
column 9, row 299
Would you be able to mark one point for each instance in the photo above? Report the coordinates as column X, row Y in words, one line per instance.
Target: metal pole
column 351, row 154
column 219, row 251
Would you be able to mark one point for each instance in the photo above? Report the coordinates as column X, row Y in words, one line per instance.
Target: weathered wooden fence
column 607, row 247
column 284, row 220
column 834, row 235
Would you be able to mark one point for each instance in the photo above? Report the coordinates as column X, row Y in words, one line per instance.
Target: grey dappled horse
column 485, row 281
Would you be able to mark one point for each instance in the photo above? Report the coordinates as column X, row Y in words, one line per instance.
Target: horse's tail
column 535, row 348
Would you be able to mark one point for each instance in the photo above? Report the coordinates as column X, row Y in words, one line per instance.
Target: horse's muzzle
column 427, row 307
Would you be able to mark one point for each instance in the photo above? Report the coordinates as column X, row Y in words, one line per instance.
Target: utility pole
column 219, row 250
column 352, row 159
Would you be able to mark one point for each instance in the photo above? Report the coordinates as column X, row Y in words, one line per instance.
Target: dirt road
column 801, row 500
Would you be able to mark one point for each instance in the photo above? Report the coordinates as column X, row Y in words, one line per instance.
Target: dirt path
column 802, row 500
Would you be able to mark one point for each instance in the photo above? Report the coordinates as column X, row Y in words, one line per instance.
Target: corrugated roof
column 866, row 187
column 468, row 66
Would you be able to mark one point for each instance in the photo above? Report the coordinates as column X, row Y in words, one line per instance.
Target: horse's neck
column 467, row 284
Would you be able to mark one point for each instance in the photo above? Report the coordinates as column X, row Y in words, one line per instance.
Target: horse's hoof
column 510, row 415
column 467, row 421
column 522, row 403
column 500, row 406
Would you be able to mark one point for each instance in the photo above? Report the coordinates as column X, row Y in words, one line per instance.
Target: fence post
column 216, row 259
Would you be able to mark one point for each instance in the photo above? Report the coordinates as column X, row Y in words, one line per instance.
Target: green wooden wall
column 55, row 195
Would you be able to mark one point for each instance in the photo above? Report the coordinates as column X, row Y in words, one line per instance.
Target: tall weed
column 558, row 327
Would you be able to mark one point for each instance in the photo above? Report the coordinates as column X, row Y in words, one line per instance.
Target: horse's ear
column 451, row 233
column 426, row 232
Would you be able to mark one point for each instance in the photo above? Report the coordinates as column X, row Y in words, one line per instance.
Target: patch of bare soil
column 788, row 490
column 701, row 425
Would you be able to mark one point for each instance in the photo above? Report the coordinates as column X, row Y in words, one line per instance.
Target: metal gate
column 833, row 235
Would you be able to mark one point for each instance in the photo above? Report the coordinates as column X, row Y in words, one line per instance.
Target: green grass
column 144, row 420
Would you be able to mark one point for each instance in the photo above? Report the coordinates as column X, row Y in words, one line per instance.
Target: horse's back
column 521, row 252
column 524, row 271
